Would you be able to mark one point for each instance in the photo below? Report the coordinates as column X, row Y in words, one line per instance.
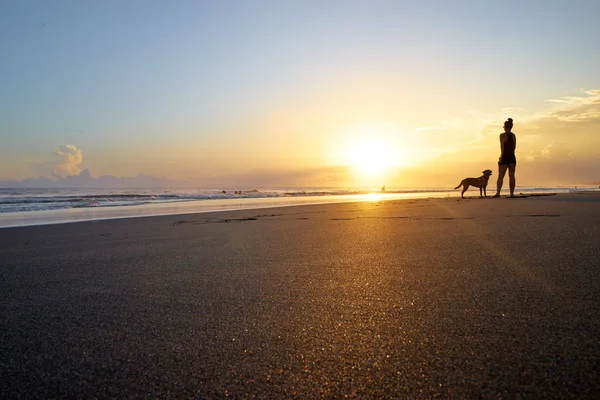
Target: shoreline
column 73, row 215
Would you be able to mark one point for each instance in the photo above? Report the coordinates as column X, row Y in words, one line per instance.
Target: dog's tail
column 459, row 185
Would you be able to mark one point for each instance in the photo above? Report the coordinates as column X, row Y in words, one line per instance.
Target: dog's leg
column 465, row 187
column 480, row 192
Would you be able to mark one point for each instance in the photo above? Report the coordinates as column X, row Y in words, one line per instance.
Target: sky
column 299, row 93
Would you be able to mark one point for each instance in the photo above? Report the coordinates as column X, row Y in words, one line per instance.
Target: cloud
column 555, row 150
column 563, row 100
column 511, row 110
column 569, row 116
column 68, row 159
column 569, row 128
column 588, row 97
column 85, row 180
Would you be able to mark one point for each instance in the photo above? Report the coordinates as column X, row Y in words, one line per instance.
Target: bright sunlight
column 371, row 157
column 375, row 151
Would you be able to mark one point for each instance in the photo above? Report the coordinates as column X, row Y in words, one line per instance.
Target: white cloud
column 588, row 97
column 565, row 116
column 555, row 150
column 67, row 162
column 563, row 100
column 511, row 110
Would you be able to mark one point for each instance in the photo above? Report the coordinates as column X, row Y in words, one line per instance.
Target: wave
column 17, row 200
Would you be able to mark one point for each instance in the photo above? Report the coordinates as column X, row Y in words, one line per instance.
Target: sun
column 373, row 151
column 371, row 157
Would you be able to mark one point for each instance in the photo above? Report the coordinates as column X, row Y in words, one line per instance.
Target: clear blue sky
column 116, row 77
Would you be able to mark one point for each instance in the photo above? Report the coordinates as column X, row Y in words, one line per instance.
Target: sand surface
column 419, row 298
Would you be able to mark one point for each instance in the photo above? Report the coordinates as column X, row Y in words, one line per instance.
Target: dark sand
column 419, row 298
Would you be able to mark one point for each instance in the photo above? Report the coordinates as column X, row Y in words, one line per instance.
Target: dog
column 480, row 183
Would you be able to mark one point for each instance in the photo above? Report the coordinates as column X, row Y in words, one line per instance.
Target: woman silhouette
column 507, row 160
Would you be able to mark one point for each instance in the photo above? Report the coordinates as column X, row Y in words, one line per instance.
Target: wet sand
column 404, row 299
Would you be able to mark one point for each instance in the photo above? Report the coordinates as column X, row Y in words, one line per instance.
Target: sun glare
column 371, row 157
column 375, row 151
column 371, row 149
column 374, row 196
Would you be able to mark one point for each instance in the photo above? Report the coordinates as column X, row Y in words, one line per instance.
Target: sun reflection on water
column 374, row 196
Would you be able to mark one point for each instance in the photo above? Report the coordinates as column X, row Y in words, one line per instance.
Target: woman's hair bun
column 510, row 120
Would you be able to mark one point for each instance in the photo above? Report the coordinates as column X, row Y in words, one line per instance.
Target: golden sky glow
column 299, row 93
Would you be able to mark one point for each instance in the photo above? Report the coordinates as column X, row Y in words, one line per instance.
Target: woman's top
column 508, row 153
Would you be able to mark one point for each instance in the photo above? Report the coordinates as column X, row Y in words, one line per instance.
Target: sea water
column 38, row 206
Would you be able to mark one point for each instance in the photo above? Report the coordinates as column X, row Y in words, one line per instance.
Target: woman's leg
column 501, row 173
column 511, row 178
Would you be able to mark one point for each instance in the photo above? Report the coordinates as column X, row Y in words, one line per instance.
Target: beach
column 416, row 298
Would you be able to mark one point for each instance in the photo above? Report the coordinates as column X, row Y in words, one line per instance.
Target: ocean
column 31, row 206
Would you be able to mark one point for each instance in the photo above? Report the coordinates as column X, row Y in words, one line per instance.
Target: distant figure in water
column 507, row 160
column 383, row 188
